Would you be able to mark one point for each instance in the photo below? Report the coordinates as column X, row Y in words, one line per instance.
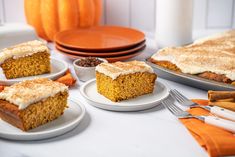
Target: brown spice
column 89, row 62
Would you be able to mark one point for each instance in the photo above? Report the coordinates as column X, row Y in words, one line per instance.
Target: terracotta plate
column 110, row 59
column 101, row 50
column 105, row 54
column 98, row 38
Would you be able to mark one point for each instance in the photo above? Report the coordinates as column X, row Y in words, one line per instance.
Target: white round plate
column 69, row 120
column 89, row 92
column 58, row 68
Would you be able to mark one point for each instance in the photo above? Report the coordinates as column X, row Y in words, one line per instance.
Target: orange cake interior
column 32, row 103
column 26, row 59
column 124, row 80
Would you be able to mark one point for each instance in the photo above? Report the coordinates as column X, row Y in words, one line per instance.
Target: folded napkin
column 66, row 79
column 216, row 141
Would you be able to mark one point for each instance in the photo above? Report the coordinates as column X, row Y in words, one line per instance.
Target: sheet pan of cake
column 207, row 63
column 190, row 80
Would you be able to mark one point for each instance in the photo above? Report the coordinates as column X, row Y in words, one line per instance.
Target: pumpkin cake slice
column 124, row 80
column 32, row 103
column 26, row 59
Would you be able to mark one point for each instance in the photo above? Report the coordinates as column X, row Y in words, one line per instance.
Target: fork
column 219, row 122
column 219, row 111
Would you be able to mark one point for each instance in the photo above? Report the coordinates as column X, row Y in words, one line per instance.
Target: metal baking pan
column 190, row 80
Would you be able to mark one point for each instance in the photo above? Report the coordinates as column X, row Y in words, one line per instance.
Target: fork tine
column 167, row 105
column 176, row 96
column 172, row 107
column 175, row 112
column 180, row 95
column 177, row 109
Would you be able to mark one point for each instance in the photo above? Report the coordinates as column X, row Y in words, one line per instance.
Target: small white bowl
column 85, row 73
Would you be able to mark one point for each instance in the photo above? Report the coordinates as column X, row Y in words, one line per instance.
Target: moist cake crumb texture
column 124, row 80
column 36, row 64
column 32, row 103
column 26, row 59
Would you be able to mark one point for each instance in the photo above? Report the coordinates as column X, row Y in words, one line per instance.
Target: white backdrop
column 208, row 14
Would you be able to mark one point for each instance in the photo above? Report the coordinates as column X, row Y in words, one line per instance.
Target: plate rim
column 70, row 125
column 103, row 49
column 51, row 76
column 128, row 108
column 190, row 77
column 110, row 59
column 100, row 54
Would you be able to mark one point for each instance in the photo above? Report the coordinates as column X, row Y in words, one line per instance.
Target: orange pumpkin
column 51, row 16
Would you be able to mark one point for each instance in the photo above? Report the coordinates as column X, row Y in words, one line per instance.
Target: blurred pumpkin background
column 51, row 16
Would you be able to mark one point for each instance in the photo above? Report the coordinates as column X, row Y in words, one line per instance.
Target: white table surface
column 153, row 132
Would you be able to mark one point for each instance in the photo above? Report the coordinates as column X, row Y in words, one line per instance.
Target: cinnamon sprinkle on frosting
column 116, row 69
column 31, row 91
column 21, row 50
column 214, row 54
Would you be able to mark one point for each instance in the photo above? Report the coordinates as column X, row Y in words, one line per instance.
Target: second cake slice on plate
column 124, row 80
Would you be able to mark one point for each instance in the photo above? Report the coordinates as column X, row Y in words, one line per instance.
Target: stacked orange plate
column 110, row 42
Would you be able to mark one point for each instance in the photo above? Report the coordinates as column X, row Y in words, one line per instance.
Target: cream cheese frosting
column 214, row 54
column 28, row 92
column 116, row 69
column 22, row 50
column 221, row 35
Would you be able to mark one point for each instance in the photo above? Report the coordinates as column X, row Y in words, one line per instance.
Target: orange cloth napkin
column 216, row 141
column 66, row 79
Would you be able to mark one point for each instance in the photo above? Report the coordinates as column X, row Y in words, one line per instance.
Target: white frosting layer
column 22, row 50
column 215, row 55
column 116, row 69
column 214, row 37
column 31, row 91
